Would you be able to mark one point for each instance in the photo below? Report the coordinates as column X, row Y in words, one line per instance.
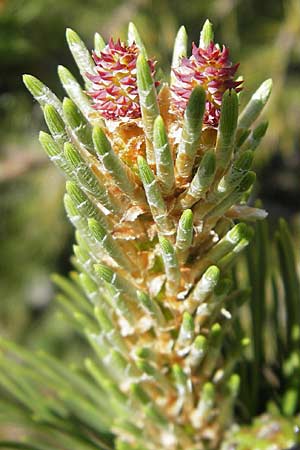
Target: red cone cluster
column 114, row 89
column 211, row 68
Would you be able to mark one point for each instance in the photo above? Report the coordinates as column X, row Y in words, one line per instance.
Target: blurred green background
column 36, row 240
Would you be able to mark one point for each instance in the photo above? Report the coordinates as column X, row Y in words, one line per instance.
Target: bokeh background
column 36, row 240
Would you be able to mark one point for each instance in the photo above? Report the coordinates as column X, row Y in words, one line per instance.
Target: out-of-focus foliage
column 271, row 318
